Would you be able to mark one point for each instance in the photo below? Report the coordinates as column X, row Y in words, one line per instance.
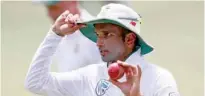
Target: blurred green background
column 175, row 29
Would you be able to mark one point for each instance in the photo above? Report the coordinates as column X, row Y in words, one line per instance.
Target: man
column 71, row 49
column 117, row 28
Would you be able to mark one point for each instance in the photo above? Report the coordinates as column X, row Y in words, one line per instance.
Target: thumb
column 82, row 25
column 79, row 26
column 115, row 82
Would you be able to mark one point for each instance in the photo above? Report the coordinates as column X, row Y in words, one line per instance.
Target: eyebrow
column 103, row 32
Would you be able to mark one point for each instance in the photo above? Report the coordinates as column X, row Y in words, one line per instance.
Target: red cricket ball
column 115, row 71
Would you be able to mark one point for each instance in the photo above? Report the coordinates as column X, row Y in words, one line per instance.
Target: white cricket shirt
column 92, row 79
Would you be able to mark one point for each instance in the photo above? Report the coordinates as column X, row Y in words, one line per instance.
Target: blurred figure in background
column 74, row 50
column 93, row 7
column 55, row 8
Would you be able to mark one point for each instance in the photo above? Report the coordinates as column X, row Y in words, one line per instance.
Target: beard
column 110, row 57
column 114, row 55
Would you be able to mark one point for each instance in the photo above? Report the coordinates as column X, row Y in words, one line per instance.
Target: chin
column 107, row 59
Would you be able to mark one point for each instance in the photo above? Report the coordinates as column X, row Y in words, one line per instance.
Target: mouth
column 104, row 52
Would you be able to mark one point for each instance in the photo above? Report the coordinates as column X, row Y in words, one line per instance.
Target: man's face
column 110, row 41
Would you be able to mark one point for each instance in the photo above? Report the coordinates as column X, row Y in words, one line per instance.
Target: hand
column 131, row 87
column 66, row 24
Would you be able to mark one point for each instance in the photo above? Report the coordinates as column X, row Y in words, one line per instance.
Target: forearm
column 38, row 73
column 135, row 91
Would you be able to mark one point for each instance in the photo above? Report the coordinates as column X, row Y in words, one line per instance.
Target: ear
column 130, row 39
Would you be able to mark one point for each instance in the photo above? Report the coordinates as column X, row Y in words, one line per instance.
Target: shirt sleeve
column 168, row 91
column 40, row 81
column 166, row 85
column 68, row 51
column 78, row 50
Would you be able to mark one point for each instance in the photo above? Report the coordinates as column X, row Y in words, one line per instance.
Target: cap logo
column 133, row 23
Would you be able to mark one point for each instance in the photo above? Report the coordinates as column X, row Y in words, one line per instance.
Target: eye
column 99, row 35
column 110, row 35
column 96, row 34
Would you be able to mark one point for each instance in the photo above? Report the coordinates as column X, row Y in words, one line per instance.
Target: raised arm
column 39, row 80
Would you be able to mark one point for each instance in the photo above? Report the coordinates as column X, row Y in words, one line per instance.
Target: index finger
column 139, row 71
column 125, row 65
column 63, row 15
column 135, row 69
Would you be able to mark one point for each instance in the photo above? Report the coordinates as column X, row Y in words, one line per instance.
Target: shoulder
column 165, row 83
column 164, row 74
column 158, row 77
column 159, row 80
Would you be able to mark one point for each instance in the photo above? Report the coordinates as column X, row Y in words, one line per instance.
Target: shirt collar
column 137, row 59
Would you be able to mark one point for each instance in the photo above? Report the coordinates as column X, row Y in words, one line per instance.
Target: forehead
column 107, row 27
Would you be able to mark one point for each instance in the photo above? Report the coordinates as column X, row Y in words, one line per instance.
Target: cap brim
column 89, row 32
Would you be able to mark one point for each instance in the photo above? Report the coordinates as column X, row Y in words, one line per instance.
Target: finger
column 127, row 66
column 61, row 21
column 129, row 74
column 63, row 16
column 118, row 61
column 69, row 22
column 128, row 71
column 65, row 13
column 76, row 27
column 134, row 70
column 139, row 71
column 115, row 82
column 81, row 24
column 123, row 64
column 68, row 17
column 75, row 18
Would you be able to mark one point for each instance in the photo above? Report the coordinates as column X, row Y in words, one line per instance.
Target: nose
column 100, row 42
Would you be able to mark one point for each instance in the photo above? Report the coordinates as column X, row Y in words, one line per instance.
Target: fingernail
column 118, row 61
column 73, row 24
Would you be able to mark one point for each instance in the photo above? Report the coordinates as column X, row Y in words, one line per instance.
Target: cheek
column 114, row 45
